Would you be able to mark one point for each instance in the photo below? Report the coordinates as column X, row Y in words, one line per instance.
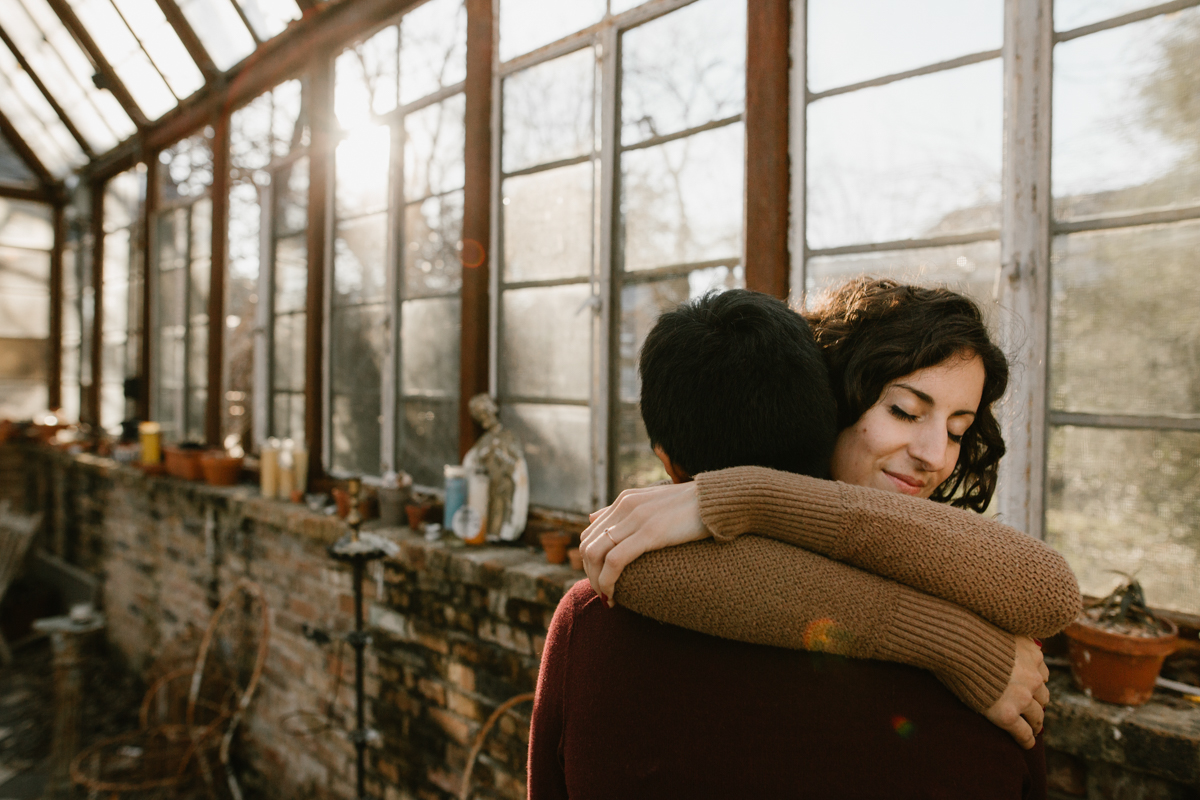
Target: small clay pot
column 221, row 470
column 416, row 514
column 184, row 462
column 576, row 559
column 342, row 498
column 555, row 544
column 1117, row 667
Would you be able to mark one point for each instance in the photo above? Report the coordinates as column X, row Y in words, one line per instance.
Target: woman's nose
column 930, row 446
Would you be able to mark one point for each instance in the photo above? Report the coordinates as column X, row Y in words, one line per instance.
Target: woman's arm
column 1008, row 578
column 765, row 592
column 1012, row 580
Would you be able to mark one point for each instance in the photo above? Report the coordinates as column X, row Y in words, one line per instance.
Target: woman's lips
column 905, row 483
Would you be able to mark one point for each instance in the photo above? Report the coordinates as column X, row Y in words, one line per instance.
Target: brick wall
column 456, row 631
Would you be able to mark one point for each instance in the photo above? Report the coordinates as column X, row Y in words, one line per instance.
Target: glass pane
column 528, row 24
column 197, row 398
column 287, row 364
column 201, row 229
column 362, row 171
column 683, row 70
column 891, row 37
column 365, row 81
column 1125, row 333
column 245, row 224
column 430, row 333
column 912, row 159
column 220, row 30
column 58, row 60
column 432, row 230
column 25, row 225
column 428, row 439
column 163, row 45
column 681, row 202
column 1069, row 14
column 269, row 17
column 122, row 196
column 641, row 305
column 35, row 120
column 291, row 187
column 119, row 47
column 187, row 168
column 289, row 126
column 116, row 281
column 1128, row 501
column 359, row 265
column 433, row 48
column 241, row 309
column 967, row 268
column 172, row 239
column 197, row 370
column 291, row 274
column 359, row 341
column 170, row 298
column 24, row 295
column 548, row 111
column 556, row 440
column 548, row 222
column 545, row 342
column 287, row 420
column 433, row 149
column 1126, row 131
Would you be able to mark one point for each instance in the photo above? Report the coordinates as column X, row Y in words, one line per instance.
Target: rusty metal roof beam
column 62, row 115
column 34, row 194
column 334, row 24
column 107, row 73
column 191, row 42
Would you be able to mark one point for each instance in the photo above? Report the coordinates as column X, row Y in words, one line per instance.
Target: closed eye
column 901, row 414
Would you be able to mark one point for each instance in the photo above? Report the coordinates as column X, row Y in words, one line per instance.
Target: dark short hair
column 735, row 379
column 873, row 331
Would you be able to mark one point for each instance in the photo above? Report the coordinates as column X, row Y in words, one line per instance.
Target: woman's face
column 908, row 441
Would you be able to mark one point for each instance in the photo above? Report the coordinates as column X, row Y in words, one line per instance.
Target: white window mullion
column 264, row 317
column 1024, row 280
column 605, row 334
column 797, row 149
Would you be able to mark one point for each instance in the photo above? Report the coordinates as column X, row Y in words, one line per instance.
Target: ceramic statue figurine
column 498, row 453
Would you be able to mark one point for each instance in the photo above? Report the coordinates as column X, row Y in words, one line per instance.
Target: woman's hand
column 638, row 521
column 1021, row 709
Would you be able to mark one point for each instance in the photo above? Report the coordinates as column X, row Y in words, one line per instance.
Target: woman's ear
column 677, row 474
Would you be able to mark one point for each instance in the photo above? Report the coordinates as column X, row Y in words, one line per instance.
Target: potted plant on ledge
column 1117, row 646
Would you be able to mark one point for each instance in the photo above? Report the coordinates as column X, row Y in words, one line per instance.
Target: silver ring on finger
column 609, row 535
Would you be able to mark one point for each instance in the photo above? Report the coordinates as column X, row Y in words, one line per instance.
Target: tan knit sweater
column 872, row 575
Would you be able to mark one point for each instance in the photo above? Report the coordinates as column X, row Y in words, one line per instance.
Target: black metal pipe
column 360, row 643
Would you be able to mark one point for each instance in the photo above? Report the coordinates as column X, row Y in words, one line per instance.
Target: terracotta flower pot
column 221, row 470
column 555, row 544
column 416, row 514
column 184, row 462
column 576, row 558
column 342, row 498
column 1117, row 667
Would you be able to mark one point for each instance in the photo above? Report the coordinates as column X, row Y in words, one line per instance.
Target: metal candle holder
column 358, row 549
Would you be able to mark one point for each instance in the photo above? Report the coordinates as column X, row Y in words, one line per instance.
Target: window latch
column 593, row 301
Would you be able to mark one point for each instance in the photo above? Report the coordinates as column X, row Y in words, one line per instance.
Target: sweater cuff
column 802, row 511
column 972, row 657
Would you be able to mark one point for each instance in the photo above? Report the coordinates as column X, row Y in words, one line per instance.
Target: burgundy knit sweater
column 630, row 708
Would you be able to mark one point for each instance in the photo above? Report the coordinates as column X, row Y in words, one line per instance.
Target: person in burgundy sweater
column 628, row 707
